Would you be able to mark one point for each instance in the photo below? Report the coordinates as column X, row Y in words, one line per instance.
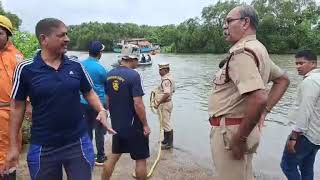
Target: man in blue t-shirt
column 58, row 133
column 128, row 117
column 98, row 74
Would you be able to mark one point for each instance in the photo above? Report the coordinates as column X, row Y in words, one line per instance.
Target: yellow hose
column 155, row 111
column 152, row 102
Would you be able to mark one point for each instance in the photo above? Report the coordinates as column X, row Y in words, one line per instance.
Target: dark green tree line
column 16, row 21
column 285, row 27
column 24, row 41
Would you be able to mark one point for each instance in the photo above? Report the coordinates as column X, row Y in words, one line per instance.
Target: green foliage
column 15, row 20
column 285, row 27
column 26, row 42
column 26, row 134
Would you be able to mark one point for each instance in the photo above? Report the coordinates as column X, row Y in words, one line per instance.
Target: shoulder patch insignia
column 115, row 85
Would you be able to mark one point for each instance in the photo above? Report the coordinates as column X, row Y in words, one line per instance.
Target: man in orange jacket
column 9, row 58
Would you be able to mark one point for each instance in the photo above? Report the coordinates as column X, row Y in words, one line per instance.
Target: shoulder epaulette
column 240, row 50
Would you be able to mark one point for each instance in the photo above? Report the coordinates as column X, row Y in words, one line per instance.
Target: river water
column 193, row 75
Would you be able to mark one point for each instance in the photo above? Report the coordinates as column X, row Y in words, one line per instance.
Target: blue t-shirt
column 122, row 85
column 57, row 116
column 98, row 75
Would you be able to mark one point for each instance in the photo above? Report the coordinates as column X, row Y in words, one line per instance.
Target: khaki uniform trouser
column 165, row 109
column 225, row 166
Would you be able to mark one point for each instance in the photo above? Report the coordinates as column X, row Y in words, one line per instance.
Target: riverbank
column 178, row 164
column 191, row 158
column 174, row 165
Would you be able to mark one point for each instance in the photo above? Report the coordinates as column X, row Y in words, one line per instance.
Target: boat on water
column 145, row 49
column 148, row 63
column 143, row 61
column 144, row 45
column 117, row 48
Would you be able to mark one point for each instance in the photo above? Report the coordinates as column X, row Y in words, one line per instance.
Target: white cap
column 163, row 65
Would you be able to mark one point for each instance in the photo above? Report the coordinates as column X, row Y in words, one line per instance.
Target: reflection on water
column 193, row 75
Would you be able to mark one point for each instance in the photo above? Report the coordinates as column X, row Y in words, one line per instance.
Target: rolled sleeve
column 275, row 71
column 245, row 74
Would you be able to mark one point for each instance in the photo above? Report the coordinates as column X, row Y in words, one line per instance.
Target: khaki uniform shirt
column 167, row 85
column 227, row 98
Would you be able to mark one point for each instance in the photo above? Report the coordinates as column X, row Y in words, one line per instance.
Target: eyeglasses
column 229, row 20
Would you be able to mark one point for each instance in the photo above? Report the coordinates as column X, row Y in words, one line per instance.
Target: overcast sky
column 150, row 12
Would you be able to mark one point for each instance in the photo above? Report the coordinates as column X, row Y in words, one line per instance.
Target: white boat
column 142, row 60
column 147, row 63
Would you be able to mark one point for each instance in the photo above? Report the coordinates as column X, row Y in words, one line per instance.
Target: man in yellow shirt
column 9, row 58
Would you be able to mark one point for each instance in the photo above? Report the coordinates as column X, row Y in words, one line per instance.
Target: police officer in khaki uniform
column 164, row 103
column 239, row 98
